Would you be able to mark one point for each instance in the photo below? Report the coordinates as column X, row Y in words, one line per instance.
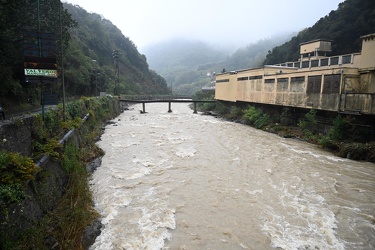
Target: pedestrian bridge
column 164, row 99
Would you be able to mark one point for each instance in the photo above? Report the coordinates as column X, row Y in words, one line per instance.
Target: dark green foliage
column 96, row 48
column 352, row 19
column 340, row 129
column 309, row 122
column 88, row 45
column 16, row 169
column 10, row 193
column 222, row 108
column 256, row 117
column 16, row 17
column 67, row 219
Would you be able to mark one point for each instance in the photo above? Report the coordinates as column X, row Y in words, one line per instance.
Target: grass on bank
column 62, row 227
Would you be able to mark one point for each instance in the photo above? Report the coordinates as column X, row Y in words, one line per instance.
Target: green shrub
column 262, row 121
column 221, row 108
column 309, row 122
column 340, row 129
column 251, row 114
column 15, row 168
column 236, row 111
column 15, row 171
column 256, row 117
column 10, row 193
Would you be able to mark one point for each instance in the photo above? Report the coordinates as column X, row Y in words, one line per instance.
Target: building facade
column 344, row 83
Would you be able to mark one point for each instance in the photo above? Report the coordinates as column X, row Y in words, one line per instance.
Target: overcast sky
column 230, row 22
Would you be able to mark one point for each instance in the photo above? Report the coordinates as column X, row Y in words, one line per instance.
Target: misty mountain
column 253, row 54
column 184, row 64
column 188, row 66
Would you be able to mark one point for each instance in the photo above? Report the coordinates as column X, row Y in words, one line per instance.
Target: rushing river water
column 186, row 181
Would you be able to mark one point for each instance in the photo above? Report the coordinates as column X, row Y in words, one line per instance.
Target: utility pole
column 115, row 55
column 62, row 61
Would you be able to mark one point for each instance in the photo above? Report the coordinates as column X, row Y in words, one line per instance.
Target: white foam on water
column 254, row 192
column 183, row 152
column 303, row 221
column 271, row 192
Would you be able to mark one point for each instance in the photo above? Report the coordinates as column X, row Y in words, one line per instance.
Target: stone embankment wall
column 43, row 193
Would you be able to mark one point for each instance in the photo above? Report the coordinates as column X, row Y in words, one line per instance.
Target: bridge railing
column 154, row 97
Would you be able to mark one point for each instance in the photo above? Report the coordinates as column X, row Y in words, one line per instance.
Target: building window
column 314, row 63
column 243, row 78
column 297, row 79
column 334, row 60
column 324, row 62
column 305, row 64
column 297, row 64
column 282, row 84
column 297, row 84
column 269, row 80
column 290, row 64
column 255, row 77
column 331, row 84
column 313, row 84
column 347, row 59
column 223, row 80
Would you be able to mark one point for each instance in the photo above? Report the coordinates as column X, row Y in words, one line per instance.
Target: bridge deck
column 168, row 101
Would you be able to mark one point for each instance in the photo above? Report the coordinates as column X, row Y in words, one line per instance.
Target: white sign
column 41, row 72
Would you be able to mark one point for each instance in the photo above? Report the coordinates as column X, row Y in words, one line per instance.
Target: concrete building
column 343, row 83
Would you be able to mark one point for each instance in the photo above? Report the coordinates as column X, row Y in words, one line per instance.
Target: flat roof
column 316, row 40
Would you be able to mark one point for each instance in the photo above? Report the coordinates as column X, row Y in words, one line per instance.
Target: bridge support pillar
column 195, row 107
column 169, row 107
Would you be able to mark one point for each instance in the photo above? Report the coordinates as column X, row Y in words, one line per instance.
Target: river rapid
column 186, row 181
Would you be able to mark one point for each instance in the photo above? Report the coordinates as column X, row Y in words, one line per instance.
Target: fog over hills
column 189, row 65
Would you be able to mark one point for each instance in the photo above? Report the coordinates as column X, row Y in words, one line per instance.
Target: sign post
column 40, row 65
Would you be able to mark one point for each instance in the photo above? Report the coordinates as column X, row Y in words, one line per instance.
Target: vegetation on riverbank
column 342, row 138
column 63, row 220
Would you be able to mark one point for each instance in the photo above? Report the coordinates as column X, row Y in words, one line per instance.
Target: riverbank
column 342, row 137
column 53, row 207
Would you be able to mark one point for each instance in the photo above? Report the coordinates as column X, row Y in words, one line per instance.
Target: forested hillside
column 352, row 19
column 95, row 49
column 15, row 18
column 97, row 56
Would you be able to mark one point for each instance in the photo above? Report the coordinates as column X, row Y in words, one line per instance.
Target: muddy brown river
column 187, row 181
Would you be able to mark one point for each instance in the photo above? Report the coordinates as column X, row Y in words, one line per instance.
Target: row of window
column 272, row 80
column 223, row 80
column 347, row 59
column 249, row 78
column 331, row 83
